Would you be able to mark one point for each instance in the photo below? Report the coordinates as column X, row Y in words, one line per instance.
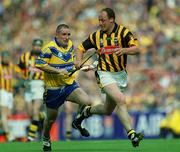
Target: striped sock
column 131, row 134
column 33, row 130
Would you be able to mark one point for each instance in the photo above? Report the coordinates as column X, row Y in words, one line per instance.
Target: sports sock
column 33, row 130
column 85, row 114
column 68, row 135
column 131, row 134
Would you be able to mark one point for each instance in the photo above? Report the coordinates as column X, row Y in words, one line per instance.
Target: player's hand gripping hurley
column 82, row 64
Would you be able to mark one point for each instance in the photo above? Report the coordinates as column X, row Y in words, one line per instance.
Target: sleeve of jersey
column 87, row 44
column 17, row 69
column 131, row 40
column 43, row 58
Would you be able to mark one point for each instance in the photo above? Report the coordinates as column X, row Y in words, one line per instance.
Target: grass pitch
column 147, row 145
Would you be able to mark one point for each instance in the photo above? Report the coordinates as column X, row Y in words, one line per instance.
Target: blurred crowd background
column 153, row 75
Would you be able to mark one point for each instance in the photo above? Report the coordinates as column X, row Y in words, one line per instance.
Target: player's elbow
column 136, row 50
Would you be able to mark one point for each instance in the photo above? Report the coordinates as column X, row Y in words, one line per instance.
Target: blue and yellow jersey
column 58, row 57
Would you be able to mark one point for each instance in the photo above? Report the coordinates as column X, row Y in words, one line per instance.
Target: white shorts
column 6, row 99
column 106, row 78
column 36, row 90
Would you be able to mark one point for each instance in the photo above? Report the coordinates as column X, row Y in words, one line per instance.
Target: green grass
column 156, row 145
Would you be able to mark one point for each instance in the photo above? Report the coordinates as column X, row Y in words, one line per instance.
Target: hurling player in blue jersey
column 57, row 62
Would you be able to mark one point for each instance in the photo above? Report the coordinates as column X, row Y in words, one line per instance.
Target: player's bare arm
column 78, row 59
column 133, row 50
column 50, row 69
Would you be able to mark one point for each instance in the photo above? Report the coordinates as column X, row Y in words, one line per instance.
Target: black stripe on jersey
column 107, row 65
column 116, row 42
column 34, row 77
column 128, row 37
column 103, row 55
column 99, row 60
column 41, row 76
column 111, row 56
column 5, row 84
column 124, row 45
column 119, row 61
column 21, row 62
column 94, row 39
column 116, row 33
column 100, row 63
column 100, row 56
column 125, row 60
column 101, row 39
column 87, row 44
column 122, row 39
column 109, row 40
column 112, row 62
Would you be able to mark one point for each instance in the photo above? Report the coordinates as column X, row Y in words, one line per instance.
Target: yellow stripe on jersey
column 125, row 32
column 97, row 39
column 91, row 38
column 81, row 48
column 6, row 77
column 28, row 69
column 119, row 35
column 59, row 58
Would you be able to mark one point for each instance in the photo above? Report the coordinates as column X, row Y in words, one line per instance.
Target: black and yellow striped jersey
column 106, row 45
column 6, row 76
column 28, row 69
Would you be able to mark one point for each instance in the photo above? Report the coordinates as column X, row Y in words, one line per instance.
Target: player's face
column 63, row 37
column 6, row 59
column 104, row 22
column 37, row 48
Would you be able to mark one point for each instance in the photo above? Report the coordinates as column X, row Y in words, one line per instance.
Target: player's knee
column 89, row 103
column 69, row 110
column 121, row 100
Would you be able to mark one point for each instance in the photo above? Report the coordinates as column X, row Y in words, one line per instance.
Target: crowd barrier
column 109, row 127
column 100, row 127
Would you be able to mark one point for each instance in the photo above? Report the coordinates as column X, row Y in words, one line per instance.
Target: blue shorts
column 54, row 98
